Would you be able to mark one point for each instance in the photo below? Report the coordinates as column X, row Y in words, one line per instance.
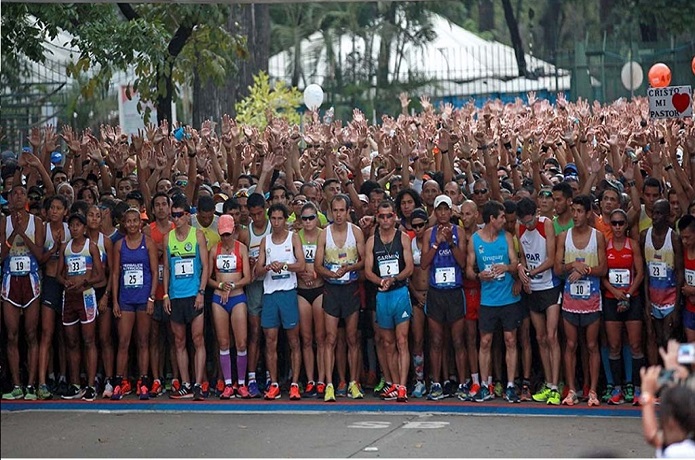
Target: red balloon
column 659, row 75
column 692, row 65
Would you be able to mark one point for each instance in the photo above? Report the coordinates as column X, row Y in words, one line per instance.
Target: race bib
column 334, row 268
column 254, row 252
column 183, row 268
column 533, row 266
column 226, row 262
column 20, row 265
column 657, row 270
column 690, row 277
column 77, row 265
column 309, row 252
column 445, row 276
column 133, row 278
column 619, row 277
column 580, row 289
column 388, row 268
column 499, row 277
column 280, row 276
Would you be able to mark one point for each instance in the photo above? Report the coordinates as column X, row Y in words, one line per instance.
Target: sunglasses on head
column 385, row 216
column 418, row 226
column 298, row 202
column 181, row 183
column 176, row 215
column 545, row 194
column 308, row 218
column 618, row 223
column 480, row 191
column 241, row 194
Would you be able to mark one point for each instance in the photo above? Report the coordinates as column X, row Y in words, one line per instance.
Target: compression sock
column 419, row 366
column 241, row 364
column 627, row 359
column 226, row 366
column 606, row 365
column 616, row 365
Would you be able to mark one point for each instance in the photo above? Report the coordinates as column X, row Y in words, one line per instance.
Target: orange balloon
column 692, row 65
column 659, row 75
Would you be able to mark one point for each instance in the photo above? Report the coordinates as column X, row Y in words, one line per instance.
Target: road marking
column 425, row 425
column 370, row 425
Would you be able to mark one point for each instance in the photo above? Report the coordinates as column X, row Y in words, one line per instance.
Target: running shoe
column 242, row 392
column 462, row 391
column 108, row 390
column 498, row 389
column 117, row 393
column 310, row 390
column 447, row 388
column 198, row 394
column 484, row 394
column 320, row 389
column 616, row 397
column 341, row 391
column 354, row 391
column 254, row 392
column 44, row 392
column 273, row 392
column 390, row 393
column 607, row 393
column 593, row 399
column 30, row 394
column 419, row 390
column 16, row 393
column 525, row 393
column 126, row 388
column 554, row 398
column 74, row 392
column 220, row 386
column 90, row 393
column 379, row 387
column 329, row 395
column 371, row 380
column 491, row 389
column 157, row 388
column 543, row 394
column 62, row 388
column 228, row 392
column 436, row 392
column 571, row 399
column 144, row 392
column 563, row 389
column 402, row 394
column 185, row 392
column 205, row 389
column 511, row 396
column 294, row 392
column 585, row 392
column 175, row 385
column 629, row 393
column 138, row 384
column 472, row 392
column 638, row 393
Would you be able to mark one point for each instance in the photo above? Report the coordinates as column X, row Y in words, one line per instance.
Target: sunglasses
column 241, row 194
column 309, row 217
column 480, row 191
column 177, row 215
column 34, row 197
column 181, row 183
column 617, row 223
column 418, row 226
column 385, row 216
column 298, row 202
column 545, row 194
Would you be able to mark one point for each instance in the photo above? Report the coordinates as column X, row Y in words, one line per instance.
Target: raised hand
column 34, row 137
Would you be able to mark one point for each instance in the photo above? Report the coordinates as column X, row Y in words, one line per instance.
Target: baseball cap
column 363, row 198
column 79, row 216
column 570, row 170
column 419, row 213
column 225, row 224
column 443, row 199
column 56, row 157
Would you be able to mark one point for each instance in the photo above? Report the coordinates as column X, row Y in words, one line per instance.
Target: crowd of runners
column 525, row 251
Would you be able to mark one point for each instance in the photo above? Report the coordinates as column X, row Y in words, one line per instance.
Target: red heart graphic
column 681, row 101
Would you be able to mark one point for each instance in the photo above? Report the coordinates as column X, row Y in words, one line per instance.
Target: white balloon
column 631, row 75
column 313, row 96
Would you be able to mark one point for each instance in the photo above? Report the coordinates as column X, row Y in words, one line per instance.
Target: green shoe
column 554, row 398
column 44, row 392
column 499, row 390
column 543, row 395
column 380, row 386
column 629, row 392
column 607, row 394
column 30, row 394
column 16, row 393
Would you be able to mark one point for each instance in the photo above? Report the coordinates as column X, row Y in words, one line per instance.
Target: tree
column 517, row 44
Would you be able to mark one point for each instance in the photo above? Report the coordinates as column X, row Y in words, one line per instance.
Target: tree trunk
column 513, row 26
column 486, row 15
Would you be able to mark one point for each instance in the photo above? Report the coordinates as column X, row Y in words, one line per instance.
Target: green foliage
column 282, row 101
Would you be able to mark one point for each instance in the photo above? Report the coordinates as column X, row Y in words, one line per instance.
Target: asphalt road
column 94, row 433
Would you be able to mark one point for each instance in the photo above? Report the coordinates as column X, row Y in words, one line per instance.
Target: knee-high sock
column 606, row 365
column 241, row 363
column 617, row 370
column 627, row 359
column 226, row 366
column 419, row 367
column 637, row 364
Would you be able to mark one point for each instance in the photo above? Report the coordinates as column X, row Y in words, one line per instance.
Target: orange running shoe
column 294, row 392
column 126, row 388
column 273, row 392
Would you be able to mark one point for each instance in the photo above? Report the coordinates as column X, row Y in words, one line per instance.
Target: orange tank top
column 158, row 238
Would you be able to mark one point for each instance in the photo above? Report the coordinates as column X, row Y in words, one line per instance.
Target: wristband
column 119, row 174
column 165, row 296
column 573, row 146
column 646, row 399
column 347, row 184
column 668, row 167
column 507, row 145
column 201, row 292
column 150, row 299
column 191, row 156
column 9, row 245
column 284, row 268
column 435, row 246
column 443, row 151
column 631, row 183
column 220, row 286
column 102, row 163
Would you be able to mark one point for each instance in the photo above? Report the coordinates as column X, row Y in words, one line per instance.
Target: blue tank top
column 495, row 293
column 136, row 275
column 445, row 272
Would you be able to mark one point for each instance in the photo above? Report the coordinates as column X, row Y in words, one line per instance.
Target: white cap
column 443, row 199
column 363, row 197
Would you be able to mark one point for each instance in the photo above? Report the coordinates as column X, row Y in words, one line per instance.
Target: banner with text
column 670, row 102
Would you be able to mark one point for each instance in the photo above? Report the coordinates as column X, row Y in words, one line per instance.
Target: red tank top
column 158, row 238
column 229, row 264
column 620, row 267
column 689, row 279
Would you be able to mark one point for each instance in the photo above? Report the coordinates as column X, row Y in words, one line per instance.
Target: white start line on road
column 373, row 425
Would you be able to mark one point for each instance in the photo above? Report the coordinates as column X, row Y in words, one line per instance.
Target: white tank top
column 255, row 240
column 536, row 252
column 48, row 243
column 284, row 253
column 417, row 252
column 21, row 260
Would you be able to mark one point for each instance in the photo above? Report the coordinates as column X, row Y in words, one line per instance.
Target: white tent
column 461, row 61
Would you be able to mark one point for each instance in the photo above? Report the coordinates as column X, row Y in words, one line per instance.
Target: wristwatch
column 201, row 291
column 284, row 268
